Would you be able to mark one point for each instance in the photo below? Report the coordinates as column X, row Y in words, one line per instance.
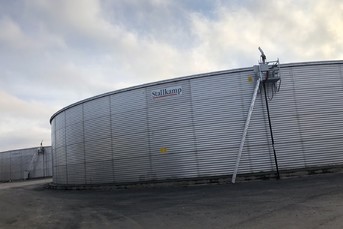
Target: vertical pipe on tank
column 271, row 131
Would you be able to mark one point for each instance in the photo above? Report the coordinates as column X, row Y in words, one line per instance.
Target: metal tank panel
column 143, row 134
column 14, row 163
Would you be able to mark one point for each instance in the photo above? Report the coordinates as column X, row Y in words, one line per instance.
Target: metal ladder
column 33, row 161
column 31, row 165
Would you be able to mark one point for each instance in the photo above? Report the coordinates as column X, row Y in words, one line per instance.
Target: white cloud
column 11, row 35
column 22, row 123
column 287, row 29
column 14, row 107
column 53, row 53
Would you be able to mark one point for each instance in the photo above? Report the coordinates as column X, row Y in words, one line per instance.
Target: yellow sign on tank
column 250, row 79
column 163, row 150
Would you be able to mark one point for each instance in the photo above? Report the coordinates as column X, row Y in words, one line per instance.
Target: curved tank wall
column 191, row 127
column 15, row 163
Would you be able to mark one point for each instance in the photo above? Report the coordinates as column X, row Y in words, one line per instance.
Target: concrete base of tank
column 284, row 174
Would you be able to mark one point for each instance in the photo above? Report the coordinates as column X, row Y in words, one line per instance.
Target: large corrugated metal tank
column 14, row 164
column 141, row 134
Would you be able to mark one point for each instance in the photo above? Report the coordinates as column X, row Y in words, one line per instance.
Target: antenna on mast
column 263, row 56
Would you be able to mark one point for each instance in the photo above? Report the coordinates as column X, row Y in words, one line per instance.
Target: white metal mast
column 263, row 73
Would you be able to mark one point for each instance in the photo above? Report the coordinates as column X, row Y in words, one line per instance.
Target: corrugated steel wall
column 14, row 163
column 128, row 136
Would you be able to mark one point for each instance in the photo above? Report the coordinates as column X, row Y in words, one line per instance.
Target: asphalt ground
column 309, row 202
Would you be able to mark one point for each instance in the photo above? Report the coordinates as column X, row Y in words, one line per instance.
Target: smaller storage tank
column 26, row 163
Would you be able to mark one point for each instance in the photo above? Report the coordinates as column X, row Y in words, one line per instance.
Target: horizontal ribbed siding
column 130, row 136
column 13, row 164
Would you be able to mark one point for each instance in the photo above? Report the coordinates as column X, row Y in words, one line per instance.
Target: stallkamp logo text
column 166, row 92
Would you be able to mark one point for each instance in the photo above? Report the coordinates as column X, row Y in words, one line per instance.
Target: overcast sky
column 54, row 53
